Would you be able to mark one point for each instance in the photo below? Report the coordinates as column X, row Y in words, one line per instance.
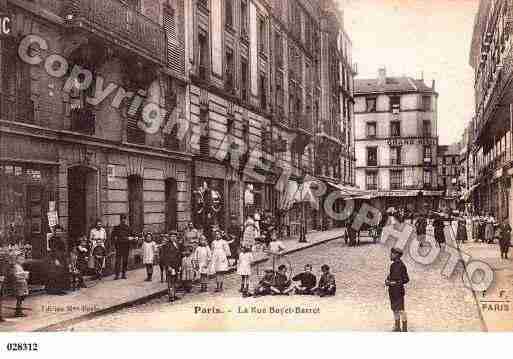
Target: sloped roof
column 392, row 84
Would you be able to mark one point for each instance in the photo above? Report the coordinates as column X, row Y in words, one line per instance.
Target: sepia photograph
column 255, row 166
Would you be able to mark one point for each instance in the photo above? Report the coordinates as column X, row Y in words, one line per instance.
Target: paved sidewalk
column 47, row 311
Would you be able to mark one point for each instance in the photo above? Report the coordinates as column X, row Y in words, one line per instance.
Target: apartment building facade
column 491, row 57
column 449, row 172
column 68, row 156
column 396, row 140
column 274, row 78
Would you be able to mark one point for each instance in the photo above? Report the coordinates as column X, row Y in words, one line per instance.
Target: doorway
column 82, row 200
column 171, row 204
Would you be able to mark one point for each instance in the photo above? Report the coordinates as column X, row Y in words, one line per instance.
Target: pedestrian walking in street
column 120, row 236
column 505, row 239
column 244, row 270
column 19, row 279
column 202, row 259
column 489, row 230
column 187, row 270
column 149, row 250
column 439, row 230
column 307, row 281
column 327, row 283
column 220, row 254
column 420, row 227
column 171, row 261
column 395, row 282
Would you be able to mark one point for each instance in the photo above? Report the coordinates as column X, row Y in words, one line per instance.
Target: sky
column 415, row 37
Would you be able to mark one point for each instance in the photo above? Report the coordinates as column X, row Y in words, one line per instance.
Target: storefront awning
column 348, row 191
column 400, row 193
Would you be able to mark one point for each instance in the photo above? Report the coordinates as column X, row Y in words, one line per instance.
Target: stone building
column 396, row 140
column 65, row 150
column 274, row 77
column 491, row 57
column 449, row 172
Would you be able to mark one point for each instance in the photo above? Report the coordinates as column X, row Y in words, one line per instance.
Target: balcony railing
column 113, row 18
column 20, row 109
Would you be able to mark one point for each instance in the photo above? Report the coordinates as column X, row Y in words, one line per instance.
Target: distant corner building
column 396, row 141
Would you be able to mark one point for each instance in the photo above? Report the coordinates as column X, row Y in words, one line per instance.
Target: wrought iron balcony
column 115, row 21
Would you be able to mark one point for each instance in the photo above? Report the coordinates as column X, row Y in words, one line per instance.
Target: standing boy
column 395, row 282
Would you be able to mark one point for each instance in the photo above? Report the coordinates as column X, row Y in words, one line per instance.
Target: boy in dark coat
column 171, row 261
column 264, row 286
column 307, row 281
column 327, row 283
column 395, row 282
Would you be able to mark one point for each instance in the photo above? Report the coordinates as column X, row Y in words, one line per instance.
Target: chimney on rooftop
column 433, row 85
column 382, row 76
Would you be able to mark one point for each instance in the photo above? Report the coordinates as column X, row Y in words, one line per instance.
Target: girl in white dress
column 202, row 258
column 220, row 254
column 244, row 270
column 149, row 249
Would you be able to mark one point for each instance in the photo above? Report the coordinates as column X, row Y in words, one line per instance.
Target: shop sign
column 411, row 141
column 5, row 25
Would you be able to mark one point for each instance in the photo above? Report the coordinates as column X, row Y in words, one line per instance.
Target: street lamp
column 302, row 225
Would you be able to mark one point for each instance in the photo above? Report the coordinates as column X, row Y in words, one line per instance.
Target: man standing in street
column 395, row 282
column 120, row 235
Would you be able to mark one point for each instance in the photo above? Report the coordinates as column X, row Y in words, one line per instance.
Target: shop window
column 135, row 203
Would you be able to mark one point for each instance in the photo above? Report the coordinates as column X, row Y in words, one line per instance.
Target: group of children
column 305, row 283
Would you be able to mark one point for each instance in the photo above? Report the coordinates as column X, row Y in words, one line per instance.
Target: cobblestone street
column 433, row 303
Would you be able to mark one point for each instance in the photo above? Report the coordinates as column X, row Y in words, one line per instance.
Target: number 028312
column 22, row 347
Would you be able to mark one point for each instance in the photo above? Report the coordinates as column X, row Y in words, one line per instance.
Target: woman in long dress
column 489, row 230
column 220, row 254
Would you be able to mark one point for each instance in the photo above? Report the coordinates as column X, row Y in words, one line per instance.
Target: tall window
column 371, row 180
column 426, row 103
column 395, row 103
column 371, row 129
column 244, row 18
column 395, row 129
column 396, row 179
column 263, row 91
column 203, row 55
column 262, row 35
column 426, row 128
column 15, row 102
column 228, row 13
column 395, row 155
column 372, row 156
column 279, row 94
column 427, row 177
column 370, row 103
column 230, row 70
column 278, row 45
column 244, row 79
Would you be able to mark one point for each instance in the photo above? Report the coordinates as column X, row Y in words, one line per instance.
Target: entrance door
column 82, row 200
column 171, row 204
